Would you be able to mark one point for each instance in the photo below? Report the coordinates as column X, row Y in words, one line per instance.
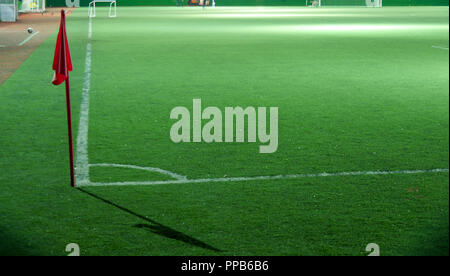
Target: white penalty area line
column 261, row 178
column 28, row 38
column 440, row 47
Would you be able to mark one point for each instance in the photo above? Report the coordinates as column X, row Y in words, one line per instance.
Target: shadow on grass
column 11, row 246
column 156, row 227
column 167, row 232
column 438, row 245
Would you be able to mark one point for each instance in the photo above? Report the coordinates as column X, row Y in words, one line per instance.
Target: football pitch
column 363, row 135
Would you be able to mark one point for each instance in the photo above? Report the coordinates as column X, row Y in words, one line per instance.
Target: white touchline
column 28, row 38
column 82, row 161
column 274, row 177
column 440, row 47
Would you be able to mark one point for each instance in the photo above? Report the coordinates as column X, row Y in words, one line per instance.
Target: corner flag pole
column 62, row 64
column 69, row 126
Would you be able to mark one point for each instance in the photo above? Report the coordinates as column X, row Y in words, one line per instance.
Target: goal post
column 344, row 3
column 9, row 11
column 112, row 7
column 28, row 6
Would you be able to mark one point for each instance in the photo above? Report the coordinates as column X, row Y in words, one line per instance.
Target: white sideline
column 82, row 163
column 292, row 176
column 440, row 47
column 28, row 38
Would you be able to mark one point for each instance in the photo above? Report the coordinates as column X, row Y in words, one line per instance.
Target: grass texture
column 357, row 90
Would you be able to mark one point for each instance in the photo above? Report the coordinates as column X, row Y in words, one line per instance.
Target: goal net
column 8, row 10
column 354, row 3
column 32, row 6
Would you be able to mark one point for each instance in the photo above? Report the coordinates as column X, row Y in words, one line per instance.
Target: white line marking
column 90, row 30
column 151, row 169
column 275, row 177
column 440, row 47
column 28, row 38
column 82, row 163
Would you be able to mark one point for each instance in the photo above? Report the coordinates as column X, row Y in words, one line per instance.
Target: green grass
column 357, row 90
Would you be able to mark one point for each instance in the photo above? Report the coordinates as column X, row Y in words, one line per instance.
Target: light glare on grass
column 360, row 27
column 267, row 15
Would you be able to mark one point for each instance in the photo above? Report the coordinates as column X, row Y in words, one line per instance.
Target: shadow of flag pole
column 62, row 64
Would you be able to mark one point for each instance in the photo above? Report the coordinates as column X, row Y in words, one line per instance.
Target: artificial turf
column 357, row 90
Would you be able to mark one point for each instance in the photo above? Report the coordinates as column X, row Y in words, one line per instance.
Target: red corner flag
column 62, row 64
